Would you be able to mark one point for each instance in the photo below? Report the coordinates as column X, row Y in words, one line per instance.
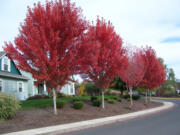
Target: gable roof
column 14, row 76
column 2, row 53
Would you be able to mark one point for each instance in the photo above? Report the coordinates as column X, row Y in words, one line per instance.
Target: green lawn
column 41, row 103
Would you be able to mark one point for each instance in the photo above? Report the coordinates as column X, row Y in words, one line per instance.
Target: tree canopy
column 52, row 44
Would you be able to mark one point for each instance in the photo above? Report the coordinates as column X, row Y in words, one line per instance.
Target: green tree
column 92, row 89
column 170, row 86
column 118, row 84
column 165, row 66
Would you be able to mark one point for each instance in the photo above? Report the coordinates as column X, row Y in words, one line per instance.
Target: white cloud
column 141, row 23
column 12, row 12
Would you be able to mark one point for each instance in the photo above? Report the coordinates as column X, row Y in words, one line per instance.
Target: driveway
column 164, row 123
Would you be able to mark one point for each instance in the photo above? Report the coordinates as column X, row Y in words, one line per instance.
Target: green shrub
column 106, row 98
column 78, row 105
column 119, row 99
column 128, row 99
column 136, row 97
column 38, row 97
column 84, row 94
column 109, row 91
column 126, row 96
column 76, row 99
column 91, row 89
column 168, row 93
column 60, row 104
column 1, row 121
column 8, row 106
column 97, row 103
column 60, row 95
column 115, row 98
column 94, row 98
column 111, row 101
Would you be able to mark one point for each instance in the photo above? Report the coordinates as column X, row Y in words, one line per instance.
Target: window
column 5, row 64
column 0, row 85
column 20, row 87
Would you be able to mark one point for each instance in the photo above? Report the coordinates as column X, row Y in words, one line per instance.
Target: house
column 21, row 84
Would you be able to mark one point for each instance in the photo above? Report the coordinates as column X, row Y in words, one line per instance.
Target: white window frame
column 2, row 90
column 22, row 86
column 9, row 64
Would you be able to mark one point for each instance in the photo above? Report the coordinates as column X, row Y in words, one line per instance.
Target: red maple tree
column 51, row 44
column 111, row 59
column 135, row 70
column 155, row 73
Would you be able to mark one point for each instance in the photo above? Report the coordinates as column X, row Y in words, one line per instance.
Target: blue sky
column 171, row 40
column 139, row 22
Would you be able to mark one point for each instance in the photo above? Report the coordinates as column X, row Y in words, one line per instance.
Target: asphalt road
column 164, row 123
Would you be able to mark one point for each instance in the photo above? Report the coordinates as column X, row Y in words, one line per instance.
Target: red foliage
column 155, row 73
column 111, row 59
column 50, row 43
column 136, row 68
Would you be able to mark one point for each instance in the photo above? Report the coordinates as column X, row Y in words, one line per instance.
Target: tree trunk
column 150, row 96
column 54, row 101
column 131, row 95
column 103, row 99
column 146, row 97
column 122, row 91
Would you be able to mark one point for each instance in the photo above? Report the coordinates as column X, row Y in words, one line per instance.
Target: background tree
column 155, row 72
column 135, row 70
column 170, row 86
column 165, row 67
column 171, row 80
column 111, row 59
column 118, row 84
column 50, row 44
column 92, row 89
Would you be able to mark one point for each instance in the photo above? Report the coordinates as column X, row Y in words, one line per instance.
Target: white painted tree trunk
column 103, row 99
column 45, row 89
column 149, row 94
column 146, row 97
column 131, row 95
column 54, row 102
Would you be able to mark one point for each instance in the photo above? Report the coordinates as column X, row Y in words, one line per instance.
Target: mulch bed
column 36, row 118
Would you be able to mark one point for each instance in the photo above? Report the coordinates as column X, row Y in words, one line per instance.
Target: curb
column 165, row 98
column 53, row 130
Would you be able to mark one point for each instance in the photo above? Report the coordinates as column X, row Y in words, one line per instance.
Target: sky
column 153, row 23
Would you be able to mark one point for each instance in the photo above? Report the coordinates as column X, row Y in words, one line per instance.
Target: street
column 163, row 123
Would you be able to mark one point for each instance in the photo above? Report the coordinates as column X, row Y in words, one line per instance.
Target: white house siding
column 10, row 86
column 32, row 89
column 68, row 89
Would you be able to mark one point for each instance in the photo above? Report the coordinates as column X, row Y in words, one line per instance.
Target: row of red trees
column 56, row 42
column 144, row 70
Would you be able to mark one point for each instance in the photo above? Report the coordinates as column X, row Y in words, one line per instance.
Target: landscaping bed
column 42, row 117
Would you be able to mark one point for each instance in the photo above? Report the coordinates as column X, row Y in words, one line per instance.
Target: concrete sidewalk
column 53, row 130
